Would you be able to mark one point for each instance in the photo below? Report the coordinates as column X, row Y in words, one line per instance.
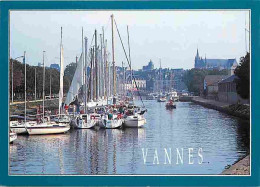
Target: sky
column 170, row 36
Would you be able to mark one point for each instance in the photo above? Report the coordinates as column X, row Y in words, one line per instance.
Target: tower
column 197, row 59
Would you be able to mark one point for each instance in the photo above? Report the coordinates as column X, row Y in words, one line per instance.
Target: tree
column 194, row 78
column 243, row 72
column 18, row 78
column 70, row 70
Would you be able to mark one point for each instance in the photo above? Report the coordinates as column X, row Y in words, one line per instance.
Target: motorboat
column 161, row 99
column 170, row 104
column 174, row 96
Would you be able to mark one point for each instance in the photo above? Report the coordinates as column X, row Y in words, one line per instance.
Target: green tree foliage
column 243, row 73
column 70, row 70
column 194, row 78
column 18, row 77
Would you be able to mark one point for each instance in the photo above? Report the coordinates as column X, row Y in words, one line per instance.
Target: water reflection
column 224, row 139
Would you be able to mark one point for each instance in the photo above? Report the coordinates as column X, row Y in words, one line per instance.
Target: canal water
column 188, row 140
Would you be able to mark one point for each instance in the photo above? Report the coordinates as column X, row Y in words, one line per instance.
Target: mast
column 113, row 56
column 131, row 73
column 82, row 57
column 123, row 80
column 93, row 74
column 43, row 85
column 104, row 63
column 106, row 70
column 245, row 34
column 35, row 85
column 90, row 87
column 50, row 84
column 102, row 67
column 85, row 69
column 96, row 65
column 61, row 75
column 160, row 86
column 24, row 87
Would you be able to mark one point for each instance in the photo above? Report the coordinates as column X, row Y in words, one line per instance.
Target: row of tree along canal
column 36, row 72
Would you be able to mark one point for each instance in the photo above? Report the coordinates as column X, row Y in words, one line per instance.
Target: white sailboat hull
column 20, row 128
column 12, row 137
column 134, row 121
column 17, row 127
column 46, row 128
column 86, row 125
column 111, row 124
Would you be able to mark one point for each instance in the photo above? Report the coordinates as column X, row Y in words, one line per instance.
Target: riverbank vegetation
column 243, row 73
column 52, row 79
column 194, row 78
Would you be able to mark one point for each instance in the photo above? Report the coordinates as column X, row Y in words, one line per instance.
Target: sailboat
column 112, row 120
column 17, row 123
column 47, row 126
column 85, row 120
column 135, row 119
column 61, row 118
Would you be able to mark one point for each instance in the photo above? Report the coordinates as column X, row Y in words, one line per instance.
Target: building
column 55, row 66
column 149, row 67
column 227, row 91
column 211, row 85
column 219, row 64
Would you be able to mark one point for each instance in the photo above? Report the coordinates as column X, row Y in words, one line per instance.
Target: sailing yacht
column 132, row 118
column 112, row 120
column 16, row 125
column 46, row 126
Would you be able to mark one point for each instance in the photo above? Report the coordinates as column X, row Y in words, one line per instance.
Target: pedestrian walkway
column 33, row 101
column 241, row 111
column 211, row 102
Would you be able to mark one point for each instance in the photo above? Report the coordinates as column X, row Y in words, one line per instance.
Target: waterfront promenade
column 241, row 111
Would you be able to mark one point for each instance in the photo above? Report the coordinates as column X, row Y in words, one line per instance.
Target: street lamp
column 13, row 77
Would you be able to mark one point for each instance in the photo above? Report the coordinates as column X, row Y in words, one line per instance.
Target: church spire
column 197, row 53
column 197, row 59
